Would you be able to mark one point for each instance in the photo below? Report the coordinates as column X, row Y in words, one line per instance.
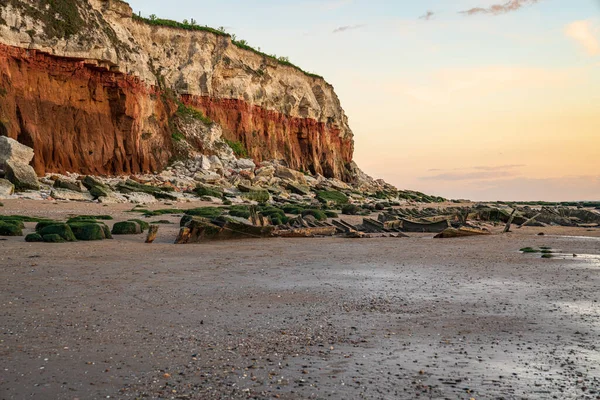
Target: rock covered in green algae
column 60, row 229
column 10, row 229
column 143, row 224
column 42, row 224
column 34, row 237
column 126, row 228
column 90, row 231
column 53, row 238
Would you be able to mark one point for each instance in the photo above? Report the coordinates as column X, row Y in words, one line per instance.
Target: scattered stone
column 131, row 186
column 209, row 177
column 266, row 172
column 245, row 163
column 96, row 187
column 72, row 185
column 113, row 198
column 350, row 209
column 204, row 162
column 140, row 198
column 289, row 174
column 332, row 197
column 65, row 194
column 208, row 190
column 6, row 188
column 302, row 190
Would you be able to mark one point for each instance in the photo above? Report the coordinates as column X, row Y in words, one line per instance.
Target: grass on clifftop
column 242, row 44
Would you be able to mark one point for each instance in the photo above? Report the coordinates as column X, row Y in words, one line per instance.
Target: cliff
column 95, row 90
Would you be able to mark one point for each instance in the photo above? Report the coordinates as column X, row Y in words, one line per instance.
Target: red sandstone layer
column 304, row 143
column 80, row 117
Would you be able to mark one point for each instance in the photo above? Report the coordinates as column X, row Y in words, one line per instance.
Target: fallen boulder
column 13, row 151
column 23, row 176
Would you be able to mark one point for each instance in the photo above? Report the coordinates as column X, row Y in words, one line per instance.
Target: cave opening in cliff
column 23, row 137
column 3, row 129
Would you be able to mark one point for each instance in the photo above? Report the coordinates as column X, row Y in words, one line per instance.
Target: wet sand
column 298, row 318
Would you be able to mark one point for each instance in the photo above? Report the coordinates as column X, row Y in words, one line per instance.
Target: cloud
column 499, row 167
column 470, row 176
column 477, row 173
column 586, row 34
column 347, row 28
column 497, row 9
column 427, row 16
column 483, row 168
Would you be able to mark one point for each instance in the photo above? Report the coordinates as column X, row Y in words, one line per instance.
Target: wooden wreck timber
column 307, row 232
column 460, row 232
column 424, row 227
column 344, row 227
column 374, row 226
column 198, row 229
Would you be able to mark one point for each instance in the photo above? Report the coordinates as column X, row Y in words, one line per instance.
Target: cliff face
column 98, row 93
column 78, row 118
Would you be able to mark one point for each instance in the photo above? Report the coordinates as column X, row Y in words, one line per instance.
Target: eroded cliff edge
column 94, row 90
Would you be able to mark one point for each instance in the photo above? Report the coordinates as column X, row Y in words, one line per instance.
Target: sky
column 466, row 99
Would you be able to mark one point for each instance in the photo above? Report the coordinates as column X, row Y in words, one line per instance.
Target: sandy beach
column 335, row 318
